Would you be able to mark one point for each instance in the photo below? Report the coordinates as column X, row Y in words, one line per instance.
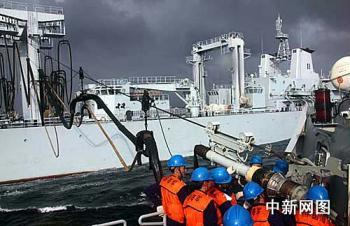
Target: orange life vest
column 233, row 199
column 194, row 207
column 169, row 187
column 219, row 198
column 260, row 215
column 305, row 219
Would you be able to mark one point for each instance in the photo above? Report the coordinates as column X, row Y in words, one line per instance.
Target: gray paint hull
column 26, row 153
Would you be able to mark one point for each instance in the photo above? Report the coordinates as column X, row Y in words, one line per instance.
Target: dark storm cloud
column 129, row 37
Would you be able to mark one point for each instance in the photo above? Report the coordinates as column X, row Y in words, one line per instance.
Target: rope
column 109, row 140
column 57, row 154
column 161, row 127
column 47, row 133
column 168, row 112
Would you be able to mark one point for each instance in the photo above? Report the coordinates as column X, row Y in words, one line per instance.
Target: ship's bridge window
column 103, row 92
column 254, row 90
column 308, row 66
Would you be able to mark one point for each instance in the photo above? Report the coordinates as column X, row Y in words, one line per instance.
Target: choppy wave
column 39, row 210
column 50, row 209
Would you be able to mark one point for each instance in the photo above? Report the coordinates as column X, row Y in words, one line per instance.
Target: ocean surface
column 85, row 199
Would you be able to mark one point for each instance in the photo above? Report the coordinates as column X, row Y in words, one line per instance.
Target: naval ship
column 35, row 144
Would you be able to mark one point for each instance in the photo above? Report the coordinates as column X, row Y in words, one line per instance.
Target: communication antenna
column 283, row 48
column 262, row 43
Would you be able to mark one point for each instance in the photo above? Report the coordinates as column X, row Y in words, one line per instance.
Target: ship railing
column 48, row 9
column 159, row 213
column 218, row 38
column 244, row 111
column 117, row 222
column 113, row 82
column 13, row 5
column 36, row 8
column 154, row 80
column 152, row 114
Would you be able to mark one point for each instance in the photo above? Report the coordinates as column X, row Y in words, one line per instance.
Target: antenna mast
column 283, row 53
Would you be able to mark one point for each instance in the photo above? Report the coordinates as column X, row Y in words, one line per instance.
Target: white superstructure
column 251, row 103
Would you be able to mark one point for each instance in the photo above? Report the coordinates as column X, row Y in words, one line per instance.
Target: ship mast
column 283, row 53
column 33, row 28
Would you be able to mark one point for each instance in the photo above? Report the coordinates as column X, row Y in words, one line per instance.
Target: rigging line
column 161, row 127
column 56, row 153
column 116, row 151
column 173, row 114
column 47, row 133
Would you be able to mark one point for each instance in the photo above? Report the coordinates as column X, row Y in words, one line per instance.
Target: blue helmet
column 201, row 174
column 281, row 167
column 317, row 192
column 237, row 216
column 256, row 159
column 176, row 161
column 252, row 190
column 220, row 175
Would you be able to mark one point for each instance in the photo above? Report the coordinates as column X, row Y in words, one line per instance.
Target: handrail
column 31, row 7
column 159, row 213
column 123, row 222
column 137, row 115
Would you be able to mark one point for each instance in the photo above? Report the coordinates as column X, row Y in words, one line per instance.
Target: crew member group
column 214, row 197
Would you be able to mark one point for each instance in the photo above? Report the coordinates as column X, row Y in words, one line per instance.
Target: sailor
column 255, row 202
column 256, row 160
column 174, row 191
column 315, row 193
column 237, row 216
column 281, row 167
column 219, row 192
column 199, row 208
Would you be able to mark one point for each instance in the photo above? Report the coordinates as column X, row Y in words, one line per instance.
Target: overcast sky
column 114, row 38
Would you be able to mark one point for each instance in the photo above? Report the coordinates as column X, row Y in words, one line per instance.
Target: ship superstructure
column 38, row 145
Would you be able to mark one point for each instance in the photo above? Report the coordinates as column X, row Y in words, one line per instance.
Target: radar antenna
column 283, row 48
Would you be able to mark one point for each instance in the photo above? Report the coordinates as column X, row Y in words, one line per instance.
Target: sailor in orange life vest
column 304, row 219
column 222, row 179
column 174, row 191
column 255, row 202
column 199, row 208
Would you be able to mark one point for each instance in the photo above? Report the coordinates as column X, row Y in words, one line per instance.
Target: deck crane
column 230, row 43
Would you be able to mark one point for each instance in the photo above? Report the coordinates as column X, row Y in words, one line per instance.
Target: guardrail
column 31, row 7
column 139, row 115
column 154, row 79
column 159, row 213
column 117, row 222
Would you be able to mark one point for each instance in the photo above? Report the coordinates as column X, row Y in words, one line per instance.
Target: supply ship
column 37, row 144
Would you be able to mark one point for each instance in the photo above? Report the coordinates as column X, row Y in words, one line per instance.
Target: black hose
column 66, row 42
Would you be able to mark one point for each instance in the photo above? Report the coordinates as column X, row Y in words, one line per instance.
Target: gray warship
column 316, row 151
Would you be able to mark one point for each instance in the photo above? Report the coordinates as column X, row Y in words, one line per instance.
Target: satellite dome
column 340, row 74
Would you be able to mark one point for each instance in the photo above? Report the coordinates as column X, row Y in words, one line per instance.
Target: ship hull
column 27, row 153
